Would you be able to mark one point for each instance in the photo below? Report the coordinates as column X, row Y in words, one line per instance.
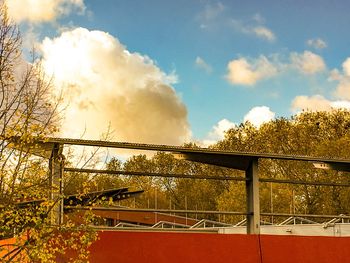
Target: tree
column 28, row 111
column 324, row 134
column 167, row 192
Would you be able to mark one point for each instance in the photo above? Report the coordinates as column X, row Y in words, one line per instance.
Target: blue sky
column 227, row 57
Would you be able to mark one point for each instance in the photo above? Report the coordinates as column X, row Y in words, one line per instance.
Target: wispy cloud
column 214, row 15
column 316, row 43
column 256, row 29
column 209, row 14
column 258, row 18
column 307, row 62
column 264, row 33
column 200, row 63
column 211, row 11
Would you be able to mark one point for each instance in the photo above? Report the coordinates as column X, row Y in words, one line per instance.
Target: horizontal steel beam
column 181, row 149
column 282, row 181
column 230, row 161
column 148, row 174
column 39, row 146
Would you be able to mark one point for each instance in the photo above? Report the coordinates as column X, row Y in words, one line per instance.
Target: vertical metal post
column 253, row 202
column 155, row 206
column 271, row 202
column 56, row 164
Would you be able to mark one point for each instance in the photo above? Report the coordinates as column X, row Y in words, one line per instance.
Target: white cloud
column 220, row 128
column 258, row 30
column 341, row 93
column 335, row 75
column 246, row 71
column 37, row 11
column 317, row 103
column 313, row 103
column 342, row 90
column 346, row 67
column 200, row 63
column 218, row 132
column 307, row 62
column 256, row 116
column 243, row 72
column 264, row 33
column 316, row 43
column 259, row 115
column 341, row 104
column 105, row 84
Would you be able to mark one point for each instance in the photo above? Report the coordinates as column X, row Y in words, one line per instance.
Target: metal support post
column 253, row 202
column 56, row 167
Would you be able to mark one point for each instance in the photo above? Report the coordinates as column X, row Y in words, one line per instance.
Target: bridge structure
column 52, row 149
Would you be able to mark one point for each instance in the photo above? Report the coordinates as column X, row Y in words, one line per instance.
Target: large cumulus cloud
column 105, row 85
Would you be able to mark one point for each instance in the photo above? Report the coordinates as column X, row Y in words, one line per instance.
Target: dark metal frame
column 244, row 161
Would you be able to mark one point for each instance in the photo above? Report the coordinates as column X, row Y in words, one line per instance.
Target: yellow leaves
column 27, row 111
column 45, row 246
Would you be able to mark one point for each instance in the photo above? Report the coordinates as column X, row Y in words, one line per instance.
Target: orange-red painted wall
column 156, row 247
column 171, row 247
column 297, row 249
column 131, row 247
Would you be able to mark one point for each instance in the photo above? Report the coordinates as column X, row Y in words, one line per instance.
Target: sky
column 169, row 72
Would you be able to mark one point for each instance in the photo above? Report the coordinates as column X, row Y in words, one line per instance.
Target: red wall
column 156, row 247
column 173, row 247
column 297, row 249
